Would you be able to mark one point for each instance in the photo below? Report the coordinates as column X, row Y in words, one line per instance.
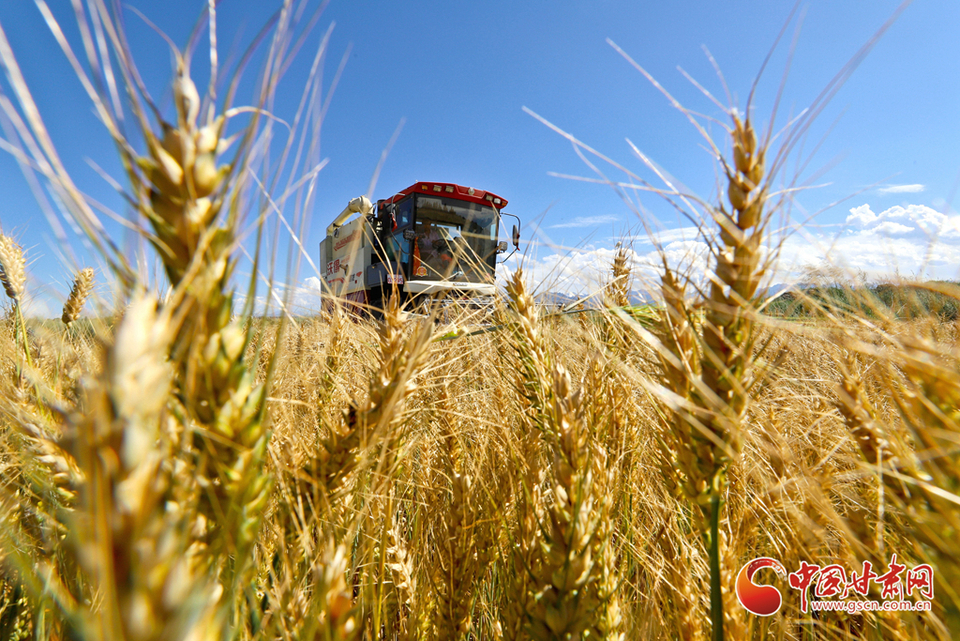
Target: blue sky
column 457, row 75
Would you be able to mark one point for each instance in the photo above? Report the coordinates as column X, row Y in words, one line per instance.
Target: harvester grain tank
column 431, row 239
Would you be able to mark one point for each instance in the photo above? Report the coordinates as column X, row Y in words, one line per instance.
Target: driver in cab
column 433, row 246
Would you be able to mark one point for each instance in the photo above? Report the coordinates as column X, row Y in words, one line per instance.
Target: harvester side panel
column 347, row 256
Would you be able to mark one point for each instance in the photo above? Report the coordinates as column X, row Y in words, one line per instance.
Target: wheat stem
column 24, row 337
column 716, row 592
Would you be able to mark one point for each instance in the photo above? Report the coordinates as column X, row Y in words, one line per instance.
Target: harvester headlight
column 449, row 189
column 436, row 187
column 489, row 197
column 497, row 201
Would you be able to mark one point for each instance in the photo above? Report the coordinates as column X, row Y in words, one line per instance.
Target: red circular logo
column 760, row 599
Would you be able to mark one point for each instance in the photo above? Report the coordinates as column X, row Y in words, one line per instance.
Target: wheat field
column 182, row 467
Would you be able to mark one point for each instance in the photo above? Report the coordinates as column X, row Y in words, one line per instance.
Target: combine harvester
column 431, row 240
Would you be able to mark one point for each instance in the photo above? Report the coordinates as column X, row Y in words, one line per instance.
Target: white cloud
column 861, row 215
column 901, row 189
column 665, row 236
column 294, row 299
column 890, row 227
column 587, row 221
column 925, row 220
column 910, row 240
column 312, row 283
column 582, row 272
column 305, row 298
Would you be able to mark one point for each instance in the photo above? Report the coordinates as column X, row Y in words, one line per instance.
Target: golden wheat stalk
column 620, row 286
column 12, row 268
column 575, row 583
column 337, row 616
column 727, row 354
column 13, row 277
column 136, row 578
column 82, row 286
column 926, row 482
column 534, row 361
column 400, row 569
column 680, row 360
column 367, row 431
column 465, row 547
column 615, row 325
column 531, row 388
column 180, row 186
column 728, row 326
column 684, row 600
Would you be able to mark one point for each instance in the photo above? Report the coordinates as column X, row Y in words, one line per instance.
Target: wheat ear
column 929, row 405
column 12, row 268
column 13, row 277
column 465, row 549
column 181, row 187
column 615, row 329
column 728, row 335
column 620, row 286
column 680, row 361
column 574, row 592
column 728, row 327
column 531, row 385
column 82, row 286
column 127, row 536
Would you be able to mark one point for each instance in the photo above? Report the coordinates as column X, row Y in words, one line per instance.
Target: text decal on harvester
column 834, row 589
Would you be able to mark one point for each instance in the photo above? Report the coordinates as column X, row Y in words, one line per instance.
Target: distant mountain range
column 559, row 299
column 562, row 299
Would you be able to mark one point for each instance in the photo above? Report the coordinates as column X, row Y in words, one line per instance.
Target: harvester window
column 456, row 240
column 404, row 213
